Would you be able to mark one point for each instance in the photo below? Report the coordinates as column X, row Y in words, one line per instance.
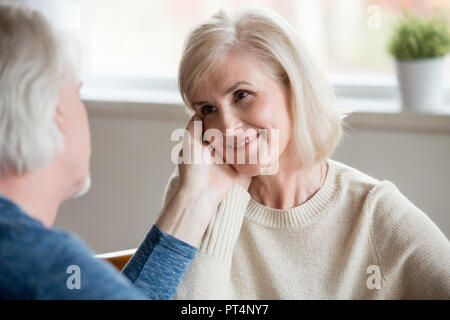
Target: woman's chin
column 249, row 170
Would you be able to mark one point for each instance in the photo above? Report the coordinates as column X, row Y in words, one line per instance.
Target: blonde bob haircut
column 317, row 121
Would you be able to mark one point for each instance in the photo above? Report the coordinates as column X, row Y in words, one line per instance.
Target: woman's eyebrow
column 234, row 86
column 199, row 103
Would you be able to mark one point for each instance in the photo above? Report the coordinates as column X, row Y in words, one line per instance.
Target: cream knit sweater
column 356, row 238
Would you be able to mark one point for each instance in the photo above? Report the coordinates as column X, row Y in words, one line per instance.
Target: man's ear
column 60, row 119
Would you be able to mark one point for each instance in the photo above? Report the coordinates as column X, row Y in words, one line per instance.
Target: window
column 138, row 41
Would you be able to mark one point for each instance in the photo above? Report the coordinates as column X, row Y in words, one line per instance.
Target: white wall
column 131, row 164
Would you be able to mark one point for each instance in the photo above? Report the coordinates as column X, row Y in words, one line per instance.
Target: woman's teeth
column 246, row 141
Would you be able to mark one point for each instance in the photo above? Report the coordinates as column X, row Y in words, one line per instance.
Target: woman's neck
column 291, row 186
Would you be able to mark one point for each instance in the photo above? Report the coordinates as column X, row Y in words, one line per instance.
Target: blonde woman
column 316, row 228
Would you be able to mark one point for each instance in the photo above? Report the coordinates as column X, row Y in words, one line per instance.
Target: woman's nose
column 230, row 121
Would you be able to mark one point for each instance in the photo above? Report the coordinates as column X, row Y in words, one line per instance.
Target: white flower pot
column 421, row 83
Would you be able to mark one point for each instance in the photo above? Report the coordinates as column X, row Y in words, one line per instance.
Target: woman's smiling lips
column 243, row 142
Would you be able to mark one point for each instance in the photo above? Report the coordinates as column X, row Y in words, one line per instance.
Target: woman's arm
column 208, row 275
column 192, row 197
column 412, row 253
column 162, row 259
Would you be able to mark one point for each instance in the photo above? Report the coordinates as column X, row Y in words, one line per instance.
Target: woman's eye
column 207, row 109
column 241, row 94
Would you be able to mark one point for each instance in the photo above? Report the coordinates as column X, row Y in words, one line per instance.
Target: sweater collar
column 12, row 212
column 301, row 215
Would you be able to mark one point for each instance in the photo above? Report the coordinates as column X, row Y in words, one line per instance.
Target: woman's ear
column 60, row 119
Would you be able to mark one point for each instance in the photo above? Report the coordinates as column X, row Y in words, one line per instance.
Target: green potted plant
column 419, row 47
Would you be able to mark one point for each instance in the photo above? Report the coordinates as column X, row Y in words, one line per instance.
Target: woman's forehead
column 236, row 68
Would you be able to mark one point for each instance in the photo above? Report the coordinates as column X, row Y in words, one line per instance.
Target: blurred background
column 129, row 57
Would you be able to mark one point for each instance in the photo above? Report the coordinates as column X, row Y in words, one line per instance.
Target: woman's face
column 241, row 101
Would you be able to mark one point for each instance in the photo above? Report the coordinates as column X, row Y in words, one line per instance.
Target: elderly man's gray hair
column 32, row 66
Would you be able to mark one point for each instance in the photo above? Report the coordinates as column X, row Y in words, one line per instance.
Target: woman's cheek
column 212, row 134
column 260, row 115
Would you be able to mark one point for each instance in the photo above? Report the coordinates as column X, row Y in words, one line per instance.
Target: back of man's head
column 32, row 65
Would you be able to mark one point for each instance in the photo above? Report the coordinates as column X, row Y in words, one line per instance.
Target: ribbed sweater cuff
column 225, row 225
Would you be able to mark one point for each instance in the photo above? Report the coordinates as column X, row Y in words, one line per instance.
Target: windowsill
column 139, row 96
column 366, row 113
column 383, row 105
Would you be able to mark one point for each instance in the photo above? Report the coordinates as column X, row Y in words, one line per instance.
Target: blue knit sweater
column 41, row 263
